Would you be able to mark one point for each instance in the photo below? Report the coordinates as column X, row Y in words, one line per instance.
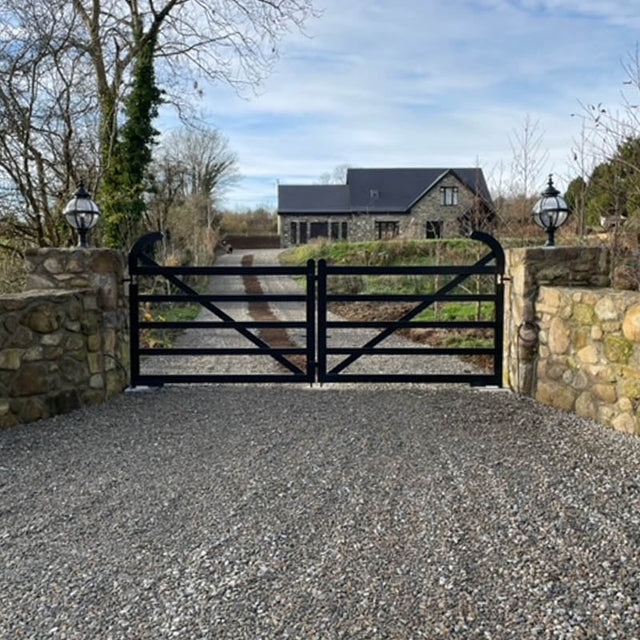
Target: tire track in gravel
column 262, row 312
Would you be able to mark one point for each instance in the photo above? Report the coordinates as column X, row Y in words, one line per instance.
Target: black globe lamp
column 550, row 212
column 82, row 214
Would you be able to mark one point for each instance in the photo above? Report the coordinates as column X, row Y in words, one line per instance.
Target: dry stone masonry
column 527, row 270
column 64, row 341
column 589, row 354
column 570, row 341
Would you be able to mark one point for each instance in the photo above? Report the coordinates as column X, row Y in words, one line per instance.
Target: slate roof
column 316, row 198
column 396, row 190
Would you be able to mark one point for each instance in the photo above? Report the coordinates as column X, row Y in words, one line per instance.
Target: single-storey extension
column 386, row 203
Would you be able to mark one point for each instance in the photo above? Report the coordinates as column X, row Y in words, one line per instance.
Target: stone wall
column 589, row 354
column 526, row 271
column 430, row 208
column 64, row 342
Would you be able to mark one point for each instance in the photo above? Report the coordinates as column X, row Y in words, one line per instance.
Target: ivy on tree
column 123, row 183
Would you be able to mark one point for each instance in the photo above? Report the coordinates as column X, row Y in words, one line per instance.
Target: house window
column 293, row 234
column 449, row 196
column 303, row 233
column 318, row 230
column 335, row 231
column 343, row 230
column 386, row 230
column 434, row 229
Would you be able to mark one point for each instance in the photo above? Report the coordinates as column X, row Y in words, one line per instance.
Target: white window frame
column 449, row 196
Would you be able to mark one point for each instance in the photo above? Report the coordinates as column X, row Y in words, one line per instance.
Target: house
column 386, row 203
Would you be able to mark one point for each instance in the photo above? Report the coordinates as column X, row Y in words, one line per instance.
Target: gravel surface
column 288, row 512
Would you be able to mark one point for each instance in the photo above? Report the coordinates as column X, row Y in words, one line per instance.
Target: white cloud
column 419, row 83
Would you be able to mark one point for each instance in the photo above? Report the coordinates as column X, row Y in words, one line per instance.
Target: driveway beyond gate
column 280, row 512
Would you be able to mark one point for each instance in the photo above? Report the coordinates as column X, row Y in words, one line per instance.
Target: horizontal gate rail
column 170, row 378
column 410, row 324
column 431, row 378
column 413, row 271
column 414, row 351
column 224, row 297
column 205, row 324
column 444, row 294
column 158, row 270
column 221, row 351
column 428, row 298
column 299, row 373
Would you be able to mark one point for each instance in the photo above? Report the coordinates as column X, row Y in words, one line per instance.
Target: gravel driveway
column 289, row 512
column 232, row 512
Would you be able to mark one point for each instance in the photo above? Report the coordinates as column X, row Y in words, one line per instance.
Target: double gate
column 310, row 356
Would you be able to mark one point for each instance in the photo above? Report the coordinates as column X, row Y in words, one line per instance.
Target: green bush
column 389, row 253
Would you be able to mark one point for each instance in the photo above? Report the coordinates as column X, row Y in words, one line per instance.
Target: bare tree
column 193, row 172
column 337, row 176
column 46, row 119
column 233, row 41
column 529, row 155
column 210, row 166
column 65, row 66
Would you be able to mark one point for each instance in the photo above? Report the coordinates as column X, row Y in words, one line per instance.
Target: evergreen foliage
column 123, row 185
column 613, row 188
column 575, row 191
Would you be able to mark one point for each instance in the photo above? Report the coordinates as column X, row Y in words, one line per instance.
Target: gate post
column 527, row 270
column 311, row 321
column 322, row 320
column 103, row 271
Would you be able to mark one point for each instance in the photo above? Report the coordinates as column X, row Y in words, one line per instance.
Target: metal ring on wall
column 528, row 333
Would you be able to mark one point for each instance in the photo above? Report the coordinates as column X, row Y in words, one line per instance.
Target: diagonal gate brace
column 429, row 300
column 263, row 346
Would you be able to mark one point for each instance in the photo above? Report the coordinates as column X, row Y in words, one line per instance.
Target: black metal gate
column 140, row 264
column 491, row 266
column 309, row 362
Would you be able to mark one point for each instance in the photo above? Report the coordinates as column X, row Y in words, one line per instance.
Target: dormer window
column 448, row 196
column 374, row 194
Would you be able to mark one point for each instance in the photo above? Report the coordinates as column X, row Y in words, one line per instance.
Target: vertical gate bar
column 134, row 333
column 311, row 321
column 322, row 320
column 499, row 329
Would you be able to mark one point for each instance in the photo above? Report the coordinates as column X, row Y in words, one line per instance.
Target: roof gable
column 473, row 179
column 400, row 189
column 371, row 190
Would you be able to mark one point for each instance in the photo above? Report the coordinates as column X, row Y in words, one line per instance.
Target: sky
column 420, row 83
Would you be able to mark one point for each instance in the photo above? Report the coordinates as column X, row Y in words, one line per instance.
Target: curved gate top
column 313, row 355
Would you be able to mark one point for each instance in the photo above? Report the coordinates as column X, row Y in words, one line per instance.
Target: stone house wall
column 64, row 342
column 429, row 208
column 362, row 225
